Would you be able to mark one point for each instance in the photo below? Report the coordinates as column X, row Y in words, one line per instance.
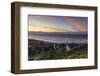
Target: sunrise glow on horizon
column 37, row 28
column 39, row 23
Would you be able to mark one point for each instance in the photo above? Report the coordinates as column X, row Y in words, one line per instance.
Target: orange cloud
column 38, row 28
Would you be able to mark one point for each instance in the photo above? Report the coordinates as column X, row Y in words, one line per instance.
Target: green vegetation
column 40, row 50
column 77, row 53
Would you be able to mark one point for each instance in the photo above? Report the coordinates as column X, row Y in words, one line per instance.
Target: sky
column 43, row 23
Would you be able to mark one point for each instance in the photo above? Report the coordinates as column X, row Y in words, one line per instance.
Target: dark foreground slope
column 43, row 50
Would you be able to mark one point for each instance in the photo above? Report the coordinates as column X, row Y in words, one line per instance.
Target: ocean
column 60, row 37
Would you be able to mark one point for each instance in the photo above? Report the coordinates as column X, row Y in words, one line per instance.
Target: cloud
column 77, row 25
column 57, row 23
column 39, row 28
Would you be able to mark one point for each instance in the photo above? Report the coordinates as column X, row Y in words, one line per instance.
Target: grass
column 74, row 54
